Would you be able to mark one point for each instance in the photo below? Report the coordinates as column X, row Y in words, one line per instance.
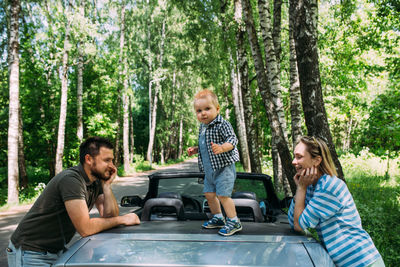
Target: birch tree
column 294, row 89
column 64, row 95
column 13, row 122
column 269, row 99
column 305, row 15
column 158, row 78
column 125, row 98
column 243, row 77
column 79, row 86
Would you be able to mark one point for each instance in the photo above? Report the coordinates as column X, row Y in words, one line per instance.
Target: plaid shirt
column 219, row 131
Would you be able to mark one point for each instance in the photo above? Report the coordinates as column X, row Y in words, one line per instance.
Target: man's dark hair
column 92, row 147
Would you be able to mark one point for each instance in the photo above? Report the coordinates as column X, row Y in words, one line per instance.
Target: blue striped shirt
column 330, row 209
column 219, row 131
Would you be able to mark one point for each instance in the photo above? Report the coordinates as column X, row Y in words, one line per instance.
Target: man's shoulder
column 70, row 174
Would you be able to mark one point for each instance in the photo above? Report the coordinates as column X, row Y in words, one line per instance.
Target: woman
column 323, row 201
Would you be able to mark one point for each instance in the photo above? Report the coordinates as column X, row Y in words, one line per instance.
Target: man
column 63, row 208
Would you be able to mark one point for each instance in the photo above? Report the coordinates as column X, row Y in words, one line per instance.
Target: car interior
column 188, row 202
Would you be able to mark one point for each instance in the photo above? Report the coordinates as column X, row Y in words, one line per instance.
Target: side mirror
column 131, row 201
column 200, row 180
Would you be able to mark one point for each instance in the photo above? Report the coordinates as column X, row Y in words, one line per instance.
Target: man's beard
column 97, row 174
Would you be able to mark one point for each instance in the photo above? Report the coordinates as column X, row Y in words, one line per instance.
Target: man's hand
column 130, row 219
column 113, row 174
column 192, row 150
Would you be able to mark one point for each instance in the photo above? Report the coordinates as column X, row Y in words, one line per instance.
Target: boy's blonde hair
column 207, row 93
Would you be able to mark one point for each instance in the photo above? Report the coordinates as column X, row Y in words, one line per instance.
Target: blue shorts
column 221, row 181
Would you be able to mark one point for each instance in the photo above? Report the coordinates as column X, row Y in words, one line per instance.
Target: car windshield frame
column 154, row 181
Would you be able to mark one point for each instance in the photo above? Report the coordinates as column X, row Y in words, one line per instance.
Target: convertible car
column 170, row 233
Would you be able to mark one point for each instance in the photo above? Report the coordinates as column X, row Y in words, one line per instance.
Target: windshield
column 193, row 187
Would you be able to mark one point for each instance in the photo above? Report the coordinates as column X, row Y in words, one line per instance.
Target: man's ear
column 88, row 159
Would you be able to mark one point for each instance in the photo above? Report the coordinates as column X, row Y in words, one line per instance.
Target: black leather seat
column 247, row 206
column 168, row 206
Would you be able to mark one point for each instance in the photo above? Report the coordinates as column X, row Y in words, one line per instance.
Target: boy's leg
column 213, row 202
column 217, row 221
column 229, row 206
column 233, row 224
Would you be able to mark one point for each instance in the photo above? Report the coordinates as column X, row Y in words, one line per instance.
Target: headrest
column 244, row 194
column 170, row 195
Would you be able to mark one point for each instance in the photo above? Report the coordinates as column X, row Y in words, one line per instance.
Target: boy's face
column 206, row 111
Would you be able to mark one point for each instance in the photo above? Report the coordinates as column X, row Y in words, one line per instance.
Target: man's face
column 102, row 166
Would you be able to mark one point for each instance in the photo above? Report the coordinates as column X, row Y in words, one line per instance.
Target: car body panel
column 181, row 241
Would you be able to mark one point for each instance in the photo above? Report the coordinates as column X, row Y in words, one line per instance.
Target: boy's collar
column 216, row 120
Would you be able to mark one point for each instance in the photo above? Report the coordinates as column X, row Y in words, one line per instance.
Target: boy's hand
column 217, row 149
column 192, row 150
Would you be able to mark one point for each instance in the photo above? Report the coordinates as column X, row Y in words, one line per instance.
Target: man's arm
column 79, row 215
column 106, row 202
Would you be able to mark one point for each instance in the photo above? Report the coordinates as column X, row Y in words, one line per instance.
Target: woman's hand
column 306, row 177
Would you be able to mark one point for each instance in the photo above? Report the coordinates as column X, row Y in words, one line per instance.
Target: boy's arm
column 192, row 150
column 218, row 149
column 228, row 134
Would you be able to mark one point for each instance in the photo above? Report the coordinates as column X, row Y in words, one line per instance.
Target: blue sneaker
column 230, row 227
column 214, row 222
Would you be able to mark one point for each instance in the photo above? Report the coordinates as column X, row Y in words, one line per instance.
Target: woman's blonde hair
column 207, row 93
column 317, row 147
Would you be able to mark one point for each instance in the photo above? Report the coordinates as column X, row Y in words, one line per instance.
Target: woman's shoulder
column 330, row 183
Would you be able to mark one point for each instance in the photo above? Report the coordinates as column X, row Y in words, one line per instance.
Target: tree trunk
column 64, row 100
column 21, row 155
column 269, row 103
column 125, row 98
column 294, row 90
column 276, row 32
column 131, row 135
column 150, row 62
column 79, row 130
column 246, row 99
column 305, row 33
column 13, row 122
column 273, row 72
column 155, row 100
column 180, row 150
column 240, row 124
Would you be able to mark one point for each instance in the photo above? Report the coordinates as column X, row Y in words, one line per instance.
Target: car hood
column 130, row 248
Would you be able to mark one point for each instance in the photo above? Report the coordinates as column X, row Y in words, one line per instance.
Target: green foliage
column 383, row 125
column 138, row 165
column 37, row 177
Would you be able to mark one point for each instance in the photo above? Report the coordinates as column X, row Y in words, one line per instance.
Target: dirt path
column 131, row 185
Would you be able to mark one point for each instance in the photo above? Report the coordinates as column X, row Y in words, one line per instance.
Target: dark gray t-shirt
column 47, row 226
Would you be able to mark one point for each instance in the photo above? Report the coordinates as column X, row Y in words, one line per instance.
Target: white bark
column 13, row 122
column 63, row 104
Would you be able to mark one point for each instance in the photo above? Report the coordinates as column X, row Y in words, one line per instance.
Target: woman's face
column 302, row 158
